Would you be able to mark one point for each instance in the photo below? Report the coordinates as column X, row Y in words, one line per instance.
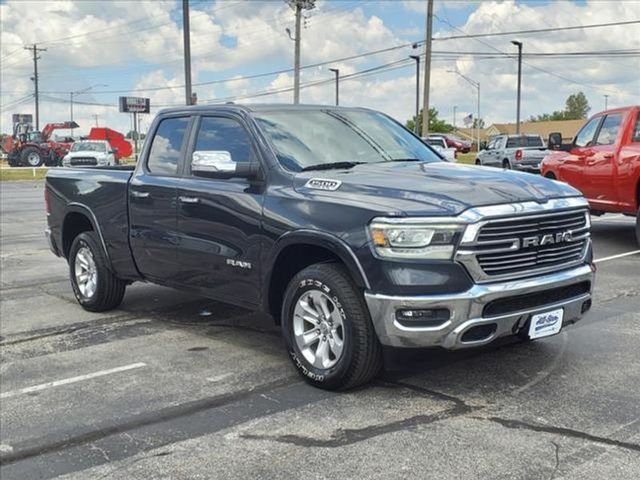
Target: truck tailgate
column 99, row 194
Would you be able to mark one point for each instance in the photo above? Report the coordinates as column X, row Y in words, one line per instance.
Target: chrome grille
column 79, row 161
column 529, row 244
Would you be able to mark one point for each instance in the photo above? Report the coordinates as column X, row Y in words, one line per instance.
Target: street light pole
column 415, row 124
column 79, row 92
column 337, row 72
column 519, row 45
column 606, row 102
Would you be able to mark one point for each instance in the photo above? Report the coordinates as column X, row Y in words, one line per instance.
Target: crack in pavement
column 562, row 431
column 344, row 437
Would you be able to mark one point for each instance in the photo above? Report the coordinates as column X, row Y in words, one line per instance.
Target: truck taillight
column 518, row 154
column 47, row 204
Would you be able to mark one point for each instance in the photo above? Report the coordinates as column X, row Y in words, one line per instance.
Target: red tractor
column 30, row 148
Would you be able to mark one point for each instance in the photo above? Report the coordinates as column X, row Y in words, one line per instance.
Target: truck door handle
column 137, row 194
column 608, row 156
column 189, row 199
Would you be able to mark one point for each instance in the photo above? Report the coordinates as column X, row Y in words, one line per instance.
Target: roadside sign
column 22, row 118
column 134, row 104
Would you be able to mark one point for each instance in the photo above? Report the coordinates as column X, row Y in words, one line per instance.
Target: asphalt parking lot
column 174, row 386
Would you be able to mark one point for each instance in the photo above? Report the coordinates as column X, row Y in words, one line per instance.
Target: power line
column 562, row 77
column 537, row 30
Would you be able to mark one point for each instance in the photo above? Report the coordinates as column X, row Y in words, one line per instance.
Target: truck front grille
column 517, row 247
column 83, row 161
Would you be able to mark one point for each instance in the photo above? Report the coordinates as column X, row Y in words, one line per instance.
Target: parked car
column 341, row 224
column 440, row 146
column 453, row 141
column 93, row 153
column 517, row 152
column 603, row 162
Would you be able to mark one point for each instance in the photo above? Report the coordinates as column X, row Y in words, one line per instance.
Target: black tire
column 109, row 290
column 478, row 162
column 361, row 357
column 28, row 155
column 506, row 164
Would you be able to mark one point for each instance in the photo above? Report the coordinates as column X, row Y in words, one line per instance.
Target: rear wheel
column 327, row 329
column 96, row 288
column 478, row 162
column 32, row 157
column 506, row 164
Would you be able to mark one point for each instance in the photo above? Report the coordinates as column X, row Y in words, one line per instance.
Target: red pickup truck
column 603, row 162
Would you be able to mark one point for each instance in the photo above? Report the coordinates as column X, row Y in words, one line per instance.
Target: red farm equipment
column 31, row 148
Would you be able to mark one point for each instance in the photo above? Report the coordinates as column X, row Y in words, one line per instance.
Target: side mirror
column 219, row 164
column 114, row 151
column 555, row 141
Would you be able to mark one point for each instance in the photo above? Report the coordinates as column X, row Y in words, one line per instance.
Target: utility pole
column 455, row 107
column 298, row 6
column 415, row 124
column 34, row 48
column 519, row 45
column 427, row 69
column 95, row 117
column 187, row 51
column 337, row 72
column 606, row 102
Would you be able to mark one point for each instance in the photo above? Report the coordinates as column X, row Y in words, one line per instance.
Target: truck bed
column 102, row 192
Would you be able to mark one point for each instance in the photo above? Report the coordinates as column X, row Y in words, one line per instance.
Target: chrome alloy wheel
column 318, row 329
column 86, row 272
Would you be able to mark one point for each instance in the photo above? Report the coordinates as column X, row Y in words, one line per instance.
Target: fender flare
column 320, row 239
column 75, row 207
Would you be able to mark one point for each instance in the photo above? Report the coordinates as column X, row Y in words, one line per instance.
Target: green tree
column 435, row 124
column 576, row 106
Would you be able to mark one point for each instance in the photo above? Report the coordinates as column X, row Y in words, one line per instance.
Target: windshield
column 88, row 147
column 303, row 139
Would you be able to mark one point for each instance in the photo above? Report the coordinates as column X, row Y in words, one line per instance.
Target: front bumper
column 467, row 310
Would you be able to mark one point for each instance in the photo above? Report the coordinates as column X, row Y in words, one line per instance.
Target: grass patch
column 10, row 174
column 468, row 158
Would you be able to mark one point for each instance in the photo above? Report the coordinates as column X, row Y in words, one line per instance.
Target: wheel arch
column 296, row 251
column 79, row 218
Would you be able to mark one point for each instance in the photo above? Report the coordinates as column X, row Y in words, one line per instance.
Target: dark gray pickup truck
column 345, row 227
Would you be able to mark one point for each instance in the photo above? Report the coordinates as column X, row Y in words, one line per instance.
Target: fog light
column 432, row 317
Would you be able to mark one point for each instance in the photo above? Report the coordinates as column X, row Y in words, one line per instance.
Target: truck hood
column 87, row 154
column 416, row 188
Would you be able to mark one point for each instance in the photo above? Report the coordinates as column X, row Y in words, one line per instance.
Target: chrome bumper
column 467, row 311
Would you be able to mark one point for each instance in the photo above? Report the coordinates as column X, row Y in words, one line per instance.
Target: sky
column 241, row 52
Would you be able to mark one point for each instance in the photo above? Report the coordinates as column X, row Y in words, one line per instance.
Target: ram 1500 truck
column 517, row 152
column 340, row 223
column 603, row 162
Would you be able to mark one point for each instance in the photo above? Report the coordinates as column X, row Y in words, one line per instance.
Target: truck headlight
column 415, row 240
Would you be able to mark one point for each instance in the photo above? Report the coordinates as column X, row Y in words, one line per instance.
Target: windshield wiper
column 331, row 166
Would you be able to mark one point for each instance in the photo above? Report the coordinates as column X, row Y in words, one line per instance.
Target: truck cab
column 603, row 162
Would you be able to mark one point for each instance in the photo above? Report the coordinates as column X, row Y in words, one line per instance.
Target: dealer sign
column 134, row 105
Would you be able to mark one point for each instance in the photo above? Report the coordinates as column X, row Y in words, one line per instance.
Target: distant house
column 568, row 128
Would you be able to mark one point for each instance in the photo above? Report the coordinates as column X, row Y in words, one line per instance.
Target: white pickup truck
column 440, row 145
column 517, row 152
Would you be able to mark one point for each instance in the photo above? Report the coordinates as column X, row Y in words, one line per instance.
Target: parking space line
column 613, row 257
column 66, row 381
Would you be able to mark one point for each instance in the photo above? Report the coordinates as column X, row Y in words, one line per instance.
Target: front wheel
column 95, row 287
column 327, row 330
column 32, row 157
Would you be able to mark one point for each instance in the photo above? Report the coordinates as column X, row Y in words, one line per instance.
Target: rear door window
column 585, row 136
column 168, row 145
column 609, row 129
